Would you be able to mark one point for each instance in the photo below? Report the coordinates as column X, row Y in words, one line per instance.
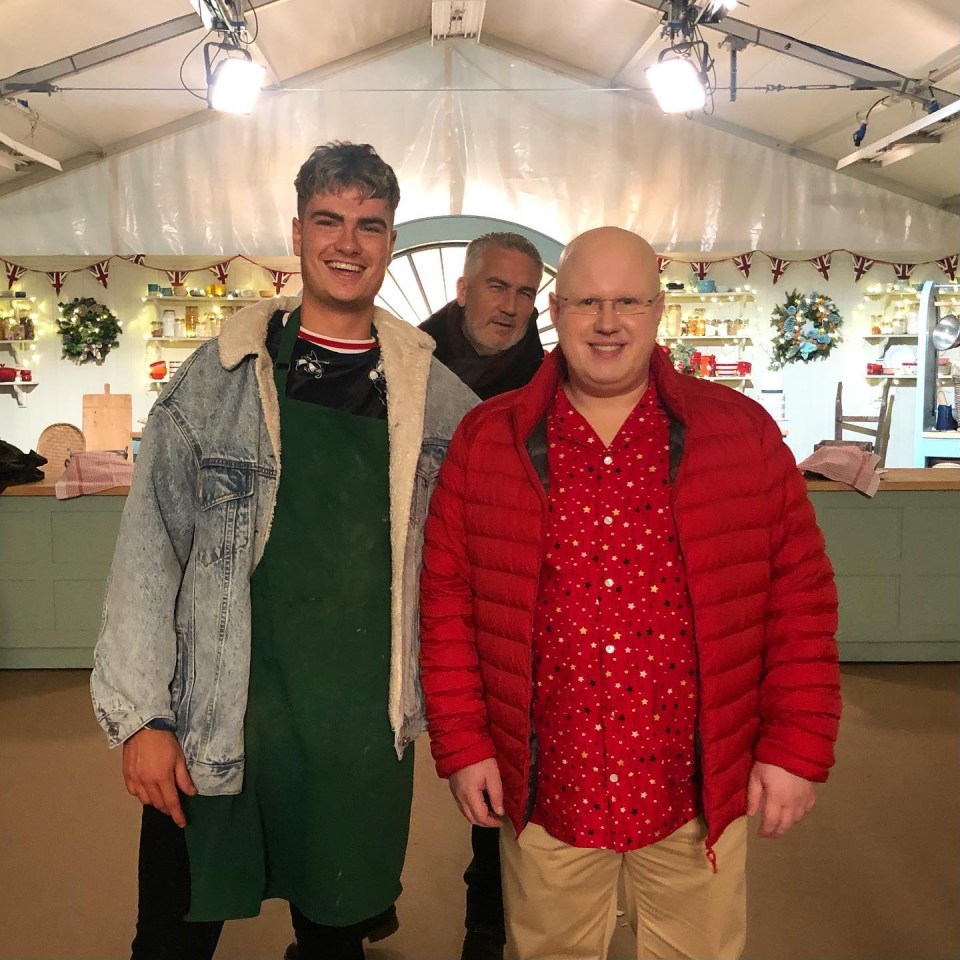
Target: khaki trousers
column 561, row 901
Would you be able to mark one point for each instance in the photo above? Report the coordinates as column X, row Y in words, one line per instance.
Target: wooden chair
column 877, row 427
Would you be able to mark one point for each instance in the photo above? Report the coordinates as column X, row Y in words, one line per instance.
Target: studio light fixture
column 677, row 85
column 234, row 83
column 451, row 19
column 683, row 77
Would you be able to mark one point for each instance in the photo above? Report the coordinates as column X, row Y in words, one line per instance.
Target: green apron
column 323, row 817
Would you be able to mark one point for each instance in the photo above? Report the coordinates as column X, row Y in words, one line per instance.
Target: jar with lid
column 168, row 324
column 673, row 320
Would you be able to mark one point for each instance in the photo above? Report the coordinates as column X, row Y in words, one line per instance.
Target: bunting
column 662, row 263
column 903, row 270
column 56, row 277
column 280, row 277
column 949, row 266
column 176, row 277
column 14, row 273
column 742, row 263
column 220, row 270
column 822, row 263
column 701, row 268
column 861, row 265
column 136, row 258
column 778, row 268
column 101, row 271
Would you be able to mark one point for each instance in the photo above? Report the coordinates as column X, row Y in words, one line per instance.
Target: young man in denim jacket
column 244, row 635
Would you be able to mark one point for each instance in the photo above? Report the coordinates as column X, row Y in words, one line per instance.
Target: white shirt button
column 608, row 460
column 608, row 520
column 608, row 582
column 613, row 778
column 610, row 648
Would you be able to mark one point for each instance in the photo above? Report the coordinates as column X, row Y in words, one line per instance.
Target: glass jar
column 673, row 320
column 190, row 320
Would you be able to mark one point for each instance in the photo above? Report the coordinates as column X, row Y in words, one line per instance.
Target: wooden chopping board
column 108, row 420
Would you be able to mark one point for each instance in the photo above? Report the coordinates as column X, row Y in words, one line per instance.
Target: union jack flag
column 949, row 265
column 861, row 265
column 14, row 273
column 742, row 263
column 56, row 277
column 101, row 270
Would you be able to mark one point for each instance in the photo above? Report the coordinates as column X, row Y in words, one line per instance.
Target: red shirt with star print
column 615, row 692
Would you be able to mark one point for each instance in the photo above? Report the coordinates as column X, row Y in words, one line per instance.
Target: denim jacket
column 175, row 642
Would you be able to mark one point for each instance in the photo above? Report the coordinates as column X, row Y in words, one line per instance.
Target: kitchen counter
column 895, row 478
column 896, row 556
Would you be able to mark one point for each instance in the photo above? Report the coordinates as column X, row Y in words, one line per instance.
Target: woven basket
column 57, row 443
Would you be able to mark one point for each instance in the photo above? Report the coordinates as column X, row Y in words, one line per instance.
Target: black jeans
column 484, row 892
column 164, row 886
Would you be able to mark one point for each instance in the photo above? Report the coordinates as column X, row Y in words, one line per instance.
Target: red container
column 7, row 374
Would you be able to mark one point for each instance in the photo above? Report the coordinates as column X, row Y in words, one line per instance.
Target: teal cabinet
column 897, row 561
column 54, row 560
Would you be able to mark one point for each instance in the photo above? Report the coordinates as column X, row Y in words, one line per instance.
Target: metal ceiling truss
column 865, row 76
column 43, row 79
column 864, row 174
column 201, row 117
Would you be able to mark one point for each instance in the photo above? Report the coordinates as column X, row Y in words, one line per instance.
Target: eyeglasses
column 622, row 306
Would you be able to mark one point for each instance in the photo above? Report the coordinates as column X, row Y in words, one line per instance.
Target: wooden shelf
column 227, row 300
column 877, row 337
column 717, row 339
column 178, row 339
column 675, row 297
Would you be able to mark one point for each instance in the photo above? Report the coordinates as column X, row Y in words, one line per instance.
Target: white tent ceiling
column 105, row 110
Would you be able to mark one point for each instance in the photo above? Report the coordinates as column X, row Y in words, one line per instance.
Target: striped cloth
column 847, row 464
column 93, row 472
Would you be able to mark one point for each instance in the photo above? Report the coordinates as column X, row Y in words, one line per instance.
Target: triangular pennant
column 949, row 265
column 778, row 268
column 861, row 265
column 176, row 277
column 14, row 273
column 742, row 263
column 701, row 268
column 219, row 270
column 56, row 277
column 280, row 277
column 100, row 271
column 903, row 270
column 662, row 263
column 822, row 263
column 136, row 258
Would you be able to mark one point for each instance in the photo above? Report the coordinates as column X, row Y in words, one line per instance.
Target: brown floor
column 872, row 874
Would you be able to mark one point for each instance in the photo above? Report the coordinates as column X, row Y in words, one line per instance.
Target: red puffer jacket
column 763, row 597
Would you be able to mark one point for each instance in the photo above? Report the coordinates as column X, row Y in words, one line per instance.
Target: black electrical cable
column 183, row 63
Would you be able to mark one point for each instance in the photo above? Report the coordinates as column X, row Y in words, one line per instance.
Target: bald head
column 606, row 311
column 608, row 250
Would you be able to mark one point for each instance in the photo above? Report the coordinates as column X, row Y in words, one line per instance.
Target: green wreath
column 807, row 328
column 89, row 331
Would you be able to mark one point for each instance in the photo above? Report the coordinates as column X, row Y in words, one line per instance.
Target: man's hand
column 468, row 786
column 153, row 768
column 786, row 798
